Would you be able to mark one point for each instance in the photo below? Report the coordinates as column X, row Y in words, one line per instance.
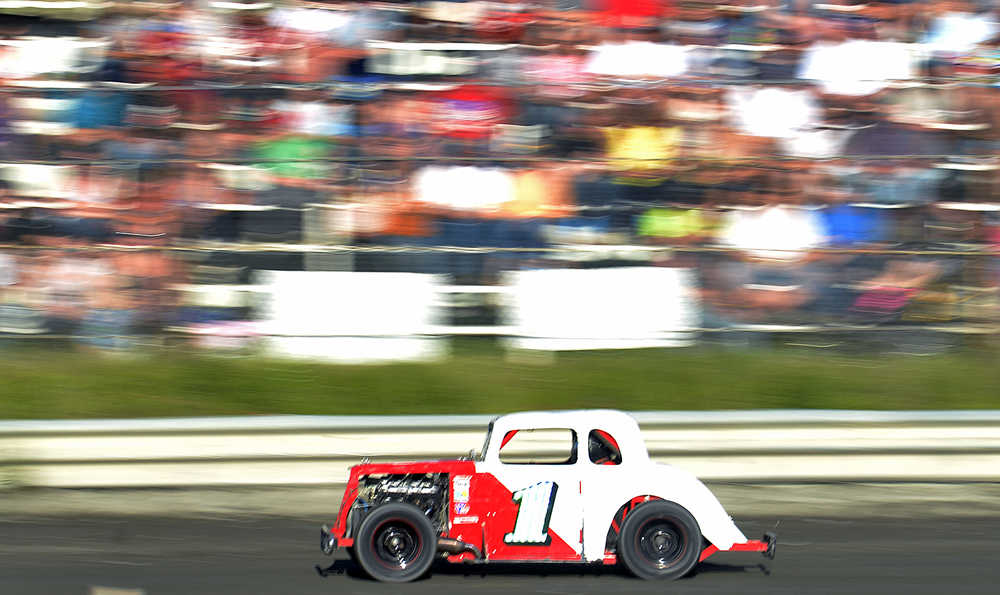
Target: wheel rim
column 396, row 544
column 661, row 543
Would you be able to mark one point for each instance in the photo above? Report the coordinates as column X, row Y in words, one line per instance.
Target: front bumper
column 331, row 538
column 327, row 541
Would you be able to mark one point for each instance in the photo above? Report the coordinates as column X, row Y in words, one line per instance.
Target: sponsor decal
column 461, row 507
column 460, row 488
column 466, row 519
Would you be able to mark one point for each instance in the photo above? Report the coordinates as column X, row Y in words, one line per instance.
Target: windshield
column 482, row 453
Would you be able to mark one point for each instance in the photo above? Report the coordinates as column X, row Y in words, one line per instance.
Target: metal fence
column 751, row 446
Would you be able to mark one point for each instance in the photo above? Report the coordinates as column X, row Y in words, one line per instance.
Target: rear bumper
column 771, row 539
column 765, row 545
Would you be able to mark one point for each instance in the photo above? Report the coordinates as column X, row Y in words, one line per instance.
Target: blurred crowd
column 813, row 162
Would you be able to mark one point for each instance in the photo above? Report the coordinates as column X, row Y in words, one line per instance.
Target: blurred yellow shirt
column 641, row 147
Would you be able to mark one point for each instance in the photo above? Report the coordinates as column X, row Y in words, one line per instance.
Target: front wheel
column 396, row 543
column 659, row 540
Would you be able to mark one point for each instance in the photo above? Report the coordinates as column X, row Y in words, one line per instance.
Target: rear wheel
column 659, row 540
column 395, row 543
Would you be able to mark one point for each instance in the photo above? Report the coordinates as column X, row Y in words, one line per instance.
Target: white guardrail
column 737, row 446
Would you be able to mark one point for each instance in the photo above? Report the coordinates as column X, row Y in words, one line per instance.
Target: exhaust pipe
column 454, row 546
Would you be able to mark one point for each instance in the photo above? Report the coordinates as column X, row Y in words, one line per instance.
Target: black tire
column 396, row 543
column 659, row 540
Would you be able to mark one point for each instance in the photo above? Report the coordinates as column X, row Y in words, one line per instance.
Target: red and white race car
column 534, row 495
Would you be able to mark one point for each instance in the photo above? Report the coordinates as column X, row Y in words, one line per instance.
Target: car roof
column 622, row 427
column 571, row 418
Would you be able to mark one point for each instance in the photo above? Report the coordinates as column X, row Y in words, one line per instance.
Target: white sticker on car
column 534, row 511
column 461, row 488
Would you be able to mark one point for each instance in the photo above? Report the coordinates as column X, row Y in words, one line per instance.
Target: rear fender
column 674, row 485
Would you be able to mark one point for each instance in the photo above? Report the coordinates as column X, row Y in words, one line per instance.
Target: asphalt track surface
column 277, row 555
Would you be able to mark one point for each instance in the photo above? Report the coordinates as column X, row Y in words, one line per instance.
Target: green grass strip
column 479, row 378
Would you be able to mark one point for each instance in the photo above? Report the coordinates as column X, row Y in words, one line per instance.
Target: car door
column 531, row 489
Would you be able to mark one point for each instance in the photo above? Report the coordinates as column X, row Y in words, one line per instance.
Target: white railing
column 758, row 446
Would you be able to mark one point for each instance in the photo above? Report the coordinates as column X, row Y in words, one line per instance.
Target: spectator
column 775, row 235
column 499, row 125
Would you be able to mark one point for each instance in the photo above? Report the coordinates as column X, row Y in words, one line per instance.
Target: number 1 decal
column 534, row 510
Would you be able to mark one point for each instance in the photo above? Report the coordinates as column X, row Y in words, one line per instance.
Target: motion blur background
column 221, row 208
column 562, row 174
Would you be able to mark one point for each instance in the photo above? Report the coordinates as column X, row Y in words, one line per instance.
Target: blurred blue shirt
column 846, row 225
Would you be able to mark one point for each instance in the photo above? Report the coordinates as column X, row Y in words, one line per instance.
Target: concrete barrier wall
column 785, row 446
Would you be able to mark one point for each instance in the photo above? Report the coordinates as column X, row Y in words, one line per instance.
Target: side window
column 555, row 446
column 603, row 448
